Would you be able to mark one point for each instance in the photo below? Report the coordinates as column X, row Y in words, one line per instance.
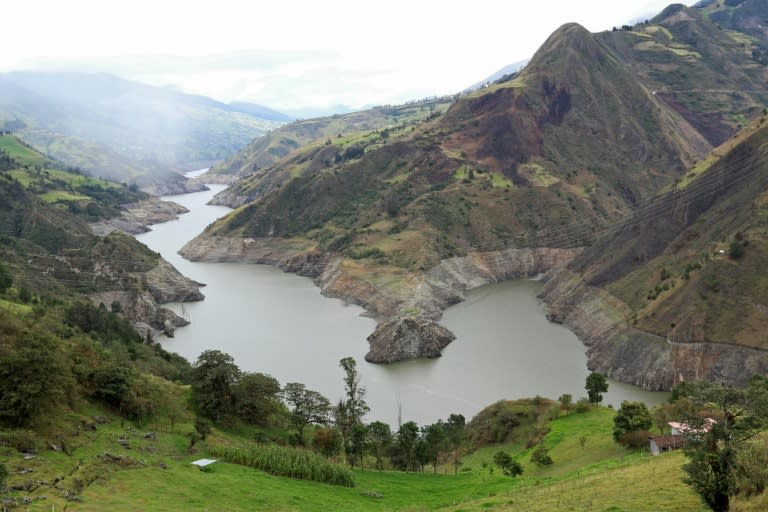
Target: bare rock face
column 176, row 187
column 407, row 338
column 166, row 284
column 630, row 355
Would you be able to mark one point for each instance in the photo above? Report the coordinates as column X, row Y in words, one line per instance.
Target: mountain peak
column 675, row 13
column 567, row 42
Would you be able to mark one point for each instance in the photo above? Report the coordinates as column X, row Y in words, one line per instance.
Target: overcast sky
column 298, row 54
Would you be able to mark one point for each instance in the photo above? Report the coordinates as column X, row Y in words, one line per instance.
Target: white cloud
column 297, row 53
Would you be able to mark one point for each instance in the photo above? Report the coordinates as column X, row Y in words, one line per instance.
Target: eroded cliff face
column 407, row 305
column 141, row 304
column 616, row 349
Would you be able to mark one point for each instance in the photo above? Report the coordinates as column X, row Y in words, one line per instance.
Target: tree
column 595, row 386
column 436, row 441
column 113, row 384
column 213, row 378
column 456, row 436
column 33, row 378
column 256, row 398
column 736, row 250
column 350, row 411
column 357, row 444
column 309, row 407
column 6, row 279
column 631, row 417
column 379, row 441
column 661, row 415
column 508, row 465
column 404, row 452
column 713, row 447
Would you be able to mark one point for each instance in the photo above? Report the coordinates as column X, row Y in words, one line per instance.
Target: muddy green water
column 279, row 323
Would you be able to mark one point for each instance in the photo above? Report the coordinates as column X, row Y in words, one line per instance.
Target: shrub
column 736, row 250
column 635, row 439
column 508, row 465
column 541, row 456
column 3, row 476
column 19, row 440
column 583, row 405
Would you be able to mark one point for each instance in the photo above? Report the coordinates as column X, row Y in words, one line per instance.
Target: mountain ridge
column 99, row 122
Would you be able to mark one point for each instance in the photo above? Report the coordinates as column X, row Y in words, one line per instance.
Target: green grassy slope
column 156, row 475
column 672, row 264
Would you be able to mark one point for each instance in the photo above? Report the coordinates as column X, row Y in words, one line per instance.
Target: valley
column 544, row 292
column 278, row 323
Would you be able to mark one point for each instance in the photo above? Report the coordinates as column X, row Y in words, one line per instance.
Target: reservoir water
column 279, row 323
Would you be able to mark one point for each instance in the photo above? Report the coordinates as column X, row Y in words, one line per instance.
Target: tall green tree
column 631, row 417
column 455, row 429
column 357, row 445
column 351, row 410
column 308, row 407
column 379, row 441
column 713, row 448
column 257, row 396
column 596, row 385
column 436, row 442
column 214, row 376
column 404, row 450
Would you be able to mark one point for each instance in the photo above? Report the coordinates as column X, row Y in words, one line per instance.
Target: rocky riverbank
column 407, row 305
column 137, row 217
column 615, row 348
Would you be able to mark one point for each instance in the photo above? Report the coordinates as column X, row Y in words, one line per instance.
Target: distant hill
column 266, row 150
column 121, row 129
column 506, row 71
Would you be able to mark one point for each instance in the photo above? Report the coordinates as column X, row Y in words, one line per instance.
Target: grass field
column 117, row 468
column 19, row 152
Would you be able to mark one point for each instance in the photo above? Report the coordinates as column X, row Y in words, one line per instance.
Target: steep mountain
column 121, row 129
column 678, row 290
column 514, row 179
column 749, row 18
column 52, row 253
column 705, row 73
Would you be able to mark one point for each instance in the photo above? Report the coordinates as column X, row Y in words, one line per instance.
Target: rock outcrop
column 407, row 338
column 141, row 305
column 172, row 188
column 138, row 216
